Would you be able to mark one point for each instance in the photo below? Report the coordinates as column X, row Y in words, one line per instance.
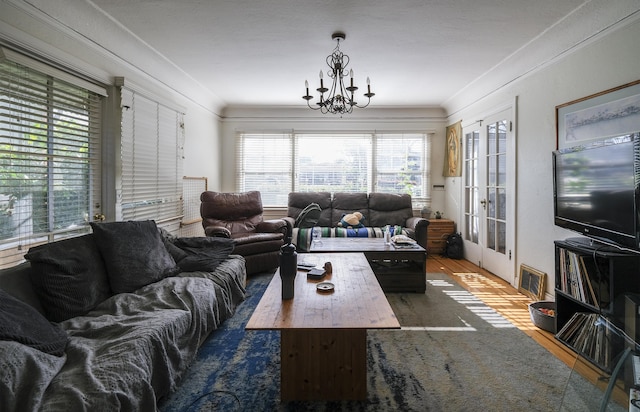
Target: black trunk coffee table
column 397, row 268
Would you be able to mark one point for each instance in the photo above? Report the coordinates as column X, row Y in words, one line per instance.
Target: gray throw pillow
column 21, row 323
column 133, row 253
column 69, row 277
column 203, row 253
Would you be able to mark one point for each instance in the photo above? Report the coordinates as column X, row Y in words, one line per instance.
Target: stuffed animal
column 352, row 220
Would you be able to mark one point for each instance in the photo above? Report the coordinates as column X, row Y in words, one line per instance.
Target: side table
column 437, row 233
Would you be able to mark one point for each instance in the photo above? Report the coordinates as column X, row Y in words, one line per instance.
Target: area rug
column 453, row 353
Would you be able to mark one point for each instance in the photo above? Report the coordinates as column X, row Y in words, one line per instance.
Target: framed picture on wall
column 610, row 113
column 532, row 282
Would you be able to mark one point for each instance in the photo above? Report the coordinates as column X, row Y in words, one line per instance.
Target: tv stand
column 592, row 280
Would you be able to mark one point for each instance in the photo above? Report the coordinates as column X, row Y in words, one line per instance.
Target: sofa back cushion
column 68, row 276
column 389, row 209
column 345, row 203
column 300, row 200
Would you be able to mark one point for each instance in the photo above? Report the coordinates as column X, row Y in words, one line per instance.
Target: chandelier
column 340, row 98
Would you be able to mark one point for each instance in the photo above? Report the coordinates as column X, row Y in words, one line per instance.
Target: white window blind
column 265, row 163
column 401, row 164
column 49, row 156
column 278, row 163
column 152, row 156
column 333, row 163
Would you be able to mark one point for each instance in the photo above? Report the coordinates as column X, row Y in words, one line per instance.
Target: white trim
column 12, row 56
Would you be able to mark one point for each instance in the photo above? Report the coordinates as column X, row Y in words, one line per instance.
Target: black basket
column 542, row 320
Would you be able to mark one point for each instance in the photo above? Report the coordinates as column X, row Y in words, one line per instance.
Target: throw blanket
column 302, row 237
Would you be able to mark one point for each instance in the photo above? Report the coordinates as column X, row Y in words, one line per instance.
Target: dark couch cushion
column 21, row 323
column 389, row 209
column 16, row 281
column 133, row 253
column 69, row 277
column 203, row 253
column 299, row 200
column 345, row 203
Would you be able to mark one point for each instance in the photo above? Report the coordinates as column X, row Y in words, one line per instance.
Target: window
column 278, row 163
column 151, row 153
column 50, row 127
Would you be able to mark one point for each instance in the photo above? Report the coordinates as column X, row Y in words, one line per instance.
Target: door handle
column 483, row 202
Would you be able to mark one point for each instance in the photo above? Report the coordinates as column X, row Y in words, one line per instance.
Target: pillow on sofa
column 21, row 323
column 68, row 277
column 203, row 253
column 133, row 253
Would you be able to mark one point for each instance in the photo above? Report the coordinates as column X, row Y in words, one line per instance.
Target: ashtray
column 325, row 287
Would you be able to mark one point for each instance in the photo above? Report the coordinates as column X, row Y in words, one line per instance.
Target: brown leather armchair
column 238, row 216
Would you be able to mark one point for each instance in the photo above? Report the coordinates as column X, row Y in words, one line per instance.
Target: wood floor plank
column 502, row 297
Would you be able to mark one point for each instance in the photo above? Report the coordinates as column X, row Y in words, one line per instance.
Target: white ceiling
column 416, row 52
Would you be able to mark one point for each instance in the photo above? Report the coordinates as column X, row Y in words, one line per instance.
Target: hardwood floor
column 502, row 297
column 513, row 305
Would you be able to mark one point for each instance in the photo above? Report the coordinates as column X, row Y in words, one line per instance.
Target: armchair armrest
column 273, row 226
column 217, row 231
column 418, row 226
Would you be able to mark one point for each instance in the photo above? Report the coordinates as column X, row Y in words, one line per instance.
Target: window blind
column 333, row 163
column 401, row 164
column 265, row 163
column 49, row 158
column 278, row 163
column 152, row 142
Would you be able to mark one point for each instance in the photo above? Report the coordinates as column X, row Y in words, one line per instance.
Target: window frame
column 289, row 157
column 53, row 121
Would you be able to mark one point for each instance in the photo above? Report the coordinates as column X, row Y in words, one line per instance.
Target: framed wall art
column 532, row 282
column 453, row 151
column 610, row 113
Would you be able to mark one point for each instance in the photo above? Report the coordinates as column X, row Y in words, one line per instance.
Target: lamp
column 340, row 99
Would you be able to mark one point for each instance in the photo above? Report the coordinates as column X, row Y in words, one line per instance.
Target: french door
column 489, row 194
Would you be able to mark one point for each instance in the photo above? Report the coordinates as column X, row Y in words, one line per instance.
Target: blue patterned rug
column 453, row 353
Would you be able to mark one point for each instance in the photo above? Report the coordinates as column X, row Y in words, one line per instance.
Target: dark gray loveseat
column 110, row 321
column 379, row 210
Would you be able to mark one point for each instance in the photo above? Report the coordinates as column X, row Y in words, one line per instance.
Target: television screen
column 595, row 190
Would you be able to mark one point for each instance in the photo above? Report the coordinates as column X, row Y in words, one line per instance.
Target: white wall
column 605, row 62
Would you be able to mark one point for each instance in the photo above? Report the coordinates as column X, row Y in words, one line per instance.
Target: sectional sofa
column 110, row 321
column 378, row 209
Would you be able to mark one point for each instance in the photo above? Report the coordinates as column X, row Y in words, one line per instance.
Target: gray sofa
column 379, row 210
column 110, row 321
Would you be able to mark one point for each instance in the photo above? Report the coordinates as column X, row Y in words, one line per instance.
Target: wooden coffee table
column 398, row 269
column 323, row 335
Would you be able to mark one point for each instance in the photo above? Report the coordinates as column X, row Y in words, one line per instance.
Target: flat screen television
column 596, row 190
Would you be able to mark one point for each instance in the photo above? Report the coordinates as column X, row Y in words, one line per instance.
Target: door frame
column 474, row 252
